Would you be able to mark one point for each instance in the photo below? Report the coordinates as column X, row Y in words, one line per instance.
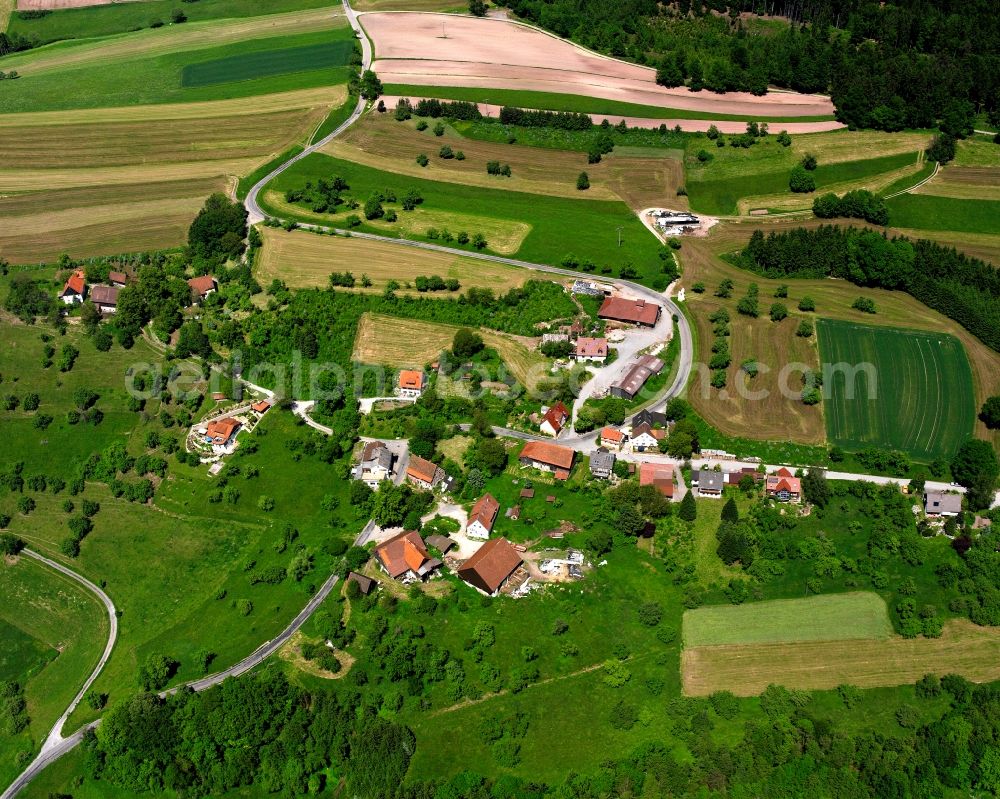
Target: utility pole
column 619, row 237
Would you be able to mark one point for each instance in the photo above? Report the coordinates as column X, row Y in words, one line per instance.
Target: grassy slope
column 929, row 212
column 553, row 101
column 557, row 226
column 923, row 401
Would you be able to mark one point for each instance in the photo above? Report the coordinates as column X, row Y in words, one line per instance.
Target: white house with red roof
column 594, row 350
column 554, row 420
column 75, row 289
column 483, row 517
column 783, row 486
column 612, row 438
column 411, row 383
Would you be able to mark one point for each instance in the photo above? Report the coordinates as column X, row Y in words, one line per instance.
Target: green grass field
column 828, row 617
column 84, row 23
column 555, row 226
column 928, row 212
column 21, row 654
column 240, row 69
column 267, row 63
column 713, row 196
column 555, row 101
column 922, row 402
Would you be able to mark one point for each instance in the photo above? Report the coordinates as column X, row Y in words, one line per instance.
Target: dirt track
column 496, row 53
column 55, row 5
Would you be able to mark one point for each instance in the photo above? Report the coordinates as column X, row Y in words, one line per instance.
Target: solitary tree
column 583, row 181
column 688, row 510
column 990, row 413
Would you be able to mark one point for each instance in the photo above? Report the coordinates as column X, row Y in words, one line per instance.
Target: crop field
column 932, row 212
column 532, row 227
column 267, row 63
column 408, row 342
column 85, row 23
column 746, row 670
column 918, row 397
column 305, row 260
column 861, row 614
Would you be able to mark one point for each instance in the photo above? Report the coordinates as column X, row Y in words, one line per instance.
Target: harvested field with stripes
column 912, row 391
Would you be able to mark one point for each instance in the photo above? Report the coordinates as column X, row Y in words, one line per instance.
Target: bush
column 778, row 312
column 583, row 181
column 807, row 304
column 651, row 613
column 423, row 160
column 800, row 181
column 864, row 304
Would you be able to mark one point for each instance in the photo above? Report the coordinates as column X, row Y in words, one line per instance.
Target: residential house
column 660, row 475
column 629, row 384
column 783, row 486
column 411, row 383
column 594, row 350
column 201, row 287
column 554, row 420
column 105, row 298
column 260, row 408
column 635, row 312
column 75, row 288
column 375, row 464
column 548, row 458
column 612, row 438
column 939, row 503
column 602, row 463
column 365, row 584
column 491, row 566
column 118, row 279
column 483, row 516
column 652, row 418
column 645, row 438
column 219, row 432
column 405, row 558
column 710, row 483
column 423, row 473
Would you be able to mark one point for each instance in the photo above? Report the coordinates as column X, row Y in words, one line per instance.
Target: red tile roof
column 76, row 284
column 660, row 475
column 203, row 285
column 777, row 483
column 117, row 277
column 411, row 379
column 492, row 563
column 485, row 511
column 611, row 434
column 421, row 469
column 402, row 553
column 549, row 454
column 221, row 430
column 783, row 472
column 591, row 347
column 556, row 416
column 635, row 311
column 261, row 406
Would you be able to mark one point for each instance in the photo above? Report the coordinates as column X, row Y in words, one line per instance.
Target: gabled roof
column 711, row 479
column 602, row 460
column 117, row 277
column 778, row 482
column 556, row 416
column 221, row 430
column 203, row 285
column 611, row 434
column 104, row 295
column 591, row 347
column 941, row 502
column 405, row 552
column 411, row 379
column 440, row 542
column 492, row 563
column 783, row 472
column 625, row 310
column 261, row 406
column 366, row 584
column 652, row 418
column 549, row 454
column 75, row 284
column 376, row 453
column 660, row 475
column 485, row 511
column 421, row 469
column 645, row 430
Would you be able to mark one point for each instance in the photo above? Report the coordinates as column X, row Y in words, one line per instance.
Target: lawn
column 267, row 63
column 929, row 212
column 916, row 396
column 828, row 617
column 83, row 23
column 553, row 101
column 531, row 227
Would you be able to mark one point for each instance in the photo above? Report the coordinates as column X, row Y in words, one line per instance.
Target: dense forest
column 966, row 289
column 909, row 63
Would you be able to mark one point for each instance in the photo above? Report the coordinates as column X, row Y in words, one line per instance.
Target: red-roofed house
column 411, row 383
column 260, row 407
column 483, row 516
column 783, row 487
column 612, row 438
column 547, row 457
column 423, row 473
column 119, row 279
column 202, row 286
column 591, row 349
column 491, row 566
column 404, row 557
column 660, row 475
column 221, row 431
column 554, row 420
column 636, row 312
column 75, row 289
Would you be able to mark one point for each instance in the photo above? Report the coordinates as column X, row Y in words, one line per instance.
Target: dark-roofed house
column 483, row 516
column 636, row 312
column 938, row 503
column 635, row 378
column 365, row 584
column 404, row 557
column 547, row 457
column 659, row 475
column 554, row 420
column 602, row 463
column 105, row 298
column 652, row 418
column 201, row 287
column 440, row 542
column 710, row 483
column 375, row 464
column 423, row 473
column 491, row 566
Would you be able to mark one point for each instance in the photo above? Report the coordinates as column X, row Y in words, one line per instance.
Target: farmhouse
column 219, row 432
column 491, row 566
column 548, row 458
column 660, row 475
column 612, row 438
column 423, row 473
column 75, row 289
column 594, row 350
column 411, row 383
column 602, row 463
column 938, row 503
column 645, row 438
column 554, row 419
column 652, row 418
column 483, row 516
column 635, row 378
column 119, row 279
column 405, row 558
column 710, row 483
column 105, row 298
column 635, row 312
column 375, row 464
column 260, row 408
column 201, row 287
column 782, row 486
